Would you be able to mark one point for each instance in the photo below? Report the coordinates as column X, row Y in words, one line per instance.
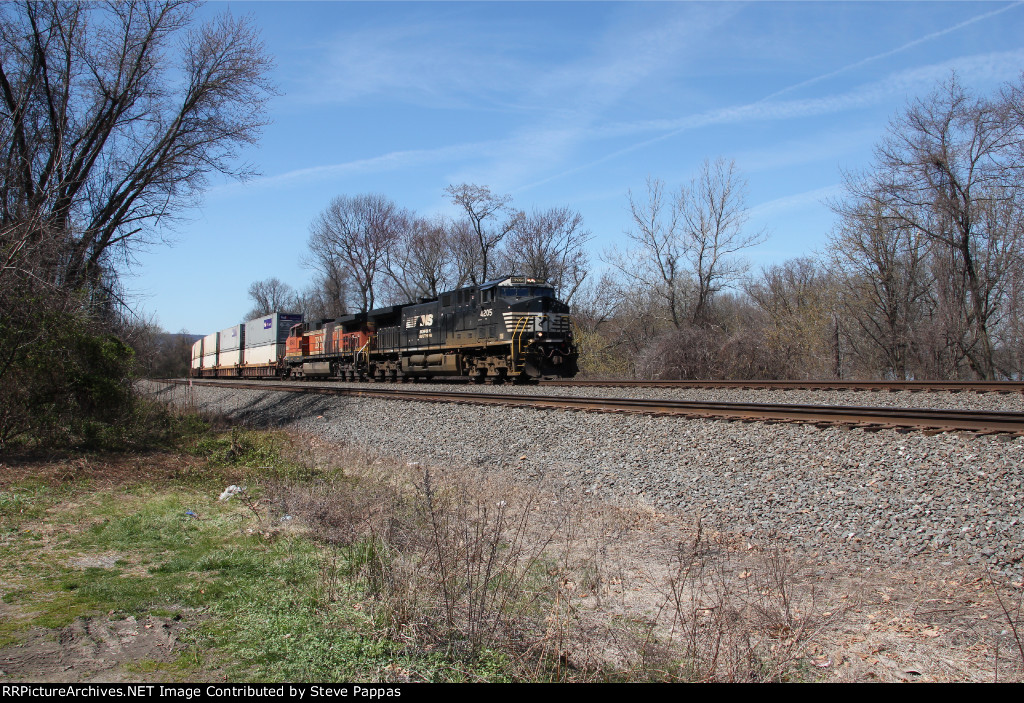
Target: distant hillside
column 166, row 354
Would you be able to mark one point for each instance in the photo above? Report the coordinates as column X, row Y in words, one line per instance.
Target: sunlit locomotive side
column 511, row 329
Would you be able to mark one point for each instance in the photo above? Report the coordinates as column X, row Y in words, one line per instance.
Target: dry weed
column 468, row 561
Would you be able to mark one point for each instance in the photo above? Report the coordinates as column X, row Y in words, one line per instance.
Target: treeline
column 923, row 276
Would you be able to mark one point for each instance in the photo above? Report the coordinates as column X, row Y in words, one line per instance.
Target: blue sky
column 557, row 104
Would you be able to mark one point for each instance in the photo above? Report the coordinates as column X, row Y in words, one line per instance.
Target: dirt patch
column 932, row 623
column 95, row 561
column 93, row 650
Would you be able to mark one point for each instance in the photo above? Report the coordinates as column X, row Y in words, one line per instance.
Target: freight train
column 510, row 329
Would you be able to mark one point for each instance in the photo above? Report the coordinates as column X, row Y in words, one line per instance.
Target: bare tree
column 355, row 234
column 713, row 212
column 685, row 247
column 272, row 295
column 324, row 298
column 597, row 302
column 490, row 218
column 423, row 261
column 465, row 250
column 112, row 117
column 329, row 291
column 656, row 262
column 884, row 266
column 608, row 319
column 1011, row 334
column 950, row 170
column 331, row 284
column 797, row 299
column 551, row 244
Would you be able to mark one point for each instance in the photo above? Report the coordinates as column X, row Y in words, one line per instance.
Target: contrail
column 698, row 120
column 892, row 52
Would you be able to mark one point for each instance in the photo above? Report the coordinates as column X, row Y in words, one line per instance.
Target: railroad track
column 868, row 418
column 891, row 386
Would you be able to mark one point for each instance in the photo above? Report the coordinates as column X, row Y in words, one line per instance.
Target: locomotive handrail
column 517, row 345
column 365, row 351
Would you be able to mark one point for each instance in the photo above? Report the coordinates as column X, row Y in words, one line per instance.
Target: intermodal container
column 269, row 329
column 210, row 350
column 231, row 345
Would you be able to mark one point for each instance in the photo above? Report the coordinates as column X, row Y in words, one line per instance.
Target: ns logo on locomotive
column 509, row 329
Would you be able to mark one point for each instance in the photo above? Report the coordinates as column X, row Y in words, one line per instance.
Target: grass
column 262, row 614
column 26, row 501
column 254, row 591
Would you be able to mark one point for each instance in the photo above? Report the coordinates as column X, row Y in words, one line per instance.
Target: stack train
column 511, row 329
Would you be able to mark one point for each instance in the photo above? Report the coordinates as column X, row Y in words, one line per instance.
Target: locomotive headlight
column 540, row 334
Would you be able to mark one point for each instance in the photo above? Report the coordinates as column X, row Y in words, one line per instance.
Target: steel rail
column 914, row 386
column 980, row 421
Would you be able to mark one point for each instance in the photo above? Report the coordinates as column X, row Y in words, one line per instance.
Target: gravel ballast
column 1004, row 402
column 840, row 494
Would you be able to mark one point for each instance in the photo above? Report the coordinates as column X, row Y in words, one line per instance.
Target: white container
column 230, row 358
column 230, row 341
column 264, row 355
column 231, row 338
column 270, row 329
column 197, row 354
column 210, row 349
